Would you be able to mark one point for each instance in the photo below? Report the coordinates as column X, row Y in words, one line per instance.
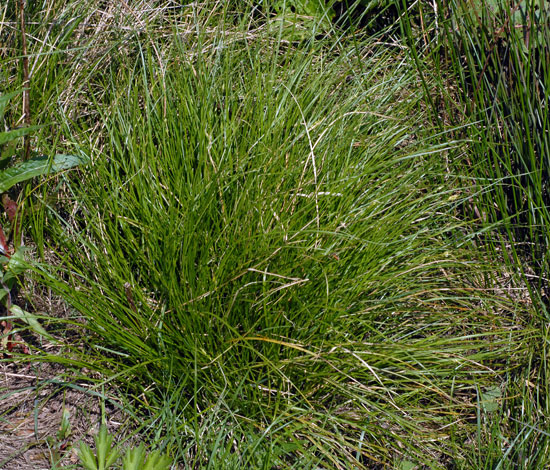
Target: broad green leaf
column 15, row 133
column 490, row 399
column 14, row 266
column 38, row 166
column 29, row 319
column 407, row 465
column 17, row 264
column 298, row 18
column 8, row 281
column 315, row 8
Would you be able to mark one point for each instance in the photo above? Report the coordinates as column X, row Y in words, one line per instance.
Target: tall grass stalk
column 499, row 54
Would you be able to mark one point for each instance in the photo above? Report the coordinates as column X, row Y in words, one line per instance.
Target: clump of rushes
column 265, row 254
column 490, row 64
column 499, row 53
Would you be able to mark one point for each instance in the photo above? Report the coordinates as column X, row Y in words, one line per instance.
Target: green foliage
column 107, row 455
column 137, row 459
column 58, row 442
column 298, row 20
column 500, row 57
column 38, row 166
column 518, row 14
column 14, row 265
column 316, row 8
column 12, row 268
column 490, row 63
column 270, row 252
column 33, row 167
column 263, row 239
column 490, row 399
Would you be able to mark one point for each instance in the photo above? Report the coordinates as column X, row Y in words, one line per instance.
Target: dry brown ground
column 33, row 396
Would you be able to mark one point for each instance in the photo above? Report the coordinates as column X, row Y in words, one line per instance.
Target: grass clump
column 267, row 255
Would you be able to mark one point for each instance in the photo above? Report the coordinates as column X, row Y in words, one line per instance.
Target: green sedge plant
column 277, row 240
column 265, row 256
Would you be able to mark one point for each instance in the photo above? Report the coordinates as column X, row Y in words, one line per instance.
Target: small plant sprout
column 58, row 444
column 107, row 455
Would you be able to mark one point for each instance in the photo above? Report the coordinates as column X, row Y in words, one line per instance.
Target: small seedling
column 107, row 455
column 58, row 444
column 136, row 459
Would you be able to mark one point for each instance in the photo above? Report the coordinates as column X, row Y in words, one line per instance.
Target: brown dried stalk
column 26, row 80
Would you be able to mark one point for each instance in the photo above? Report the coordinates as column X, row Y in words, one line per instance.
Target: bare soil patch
column 33, row 396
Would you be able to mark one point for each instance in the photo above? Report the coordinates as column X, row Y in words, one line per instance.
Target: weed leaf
column 106, row 454
column 157, row 461
column 29, row 319
column 490, row 399
column 133, row 460
column 15, row 133
column 36, row 167
column 15, row 266
column 87, row 457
